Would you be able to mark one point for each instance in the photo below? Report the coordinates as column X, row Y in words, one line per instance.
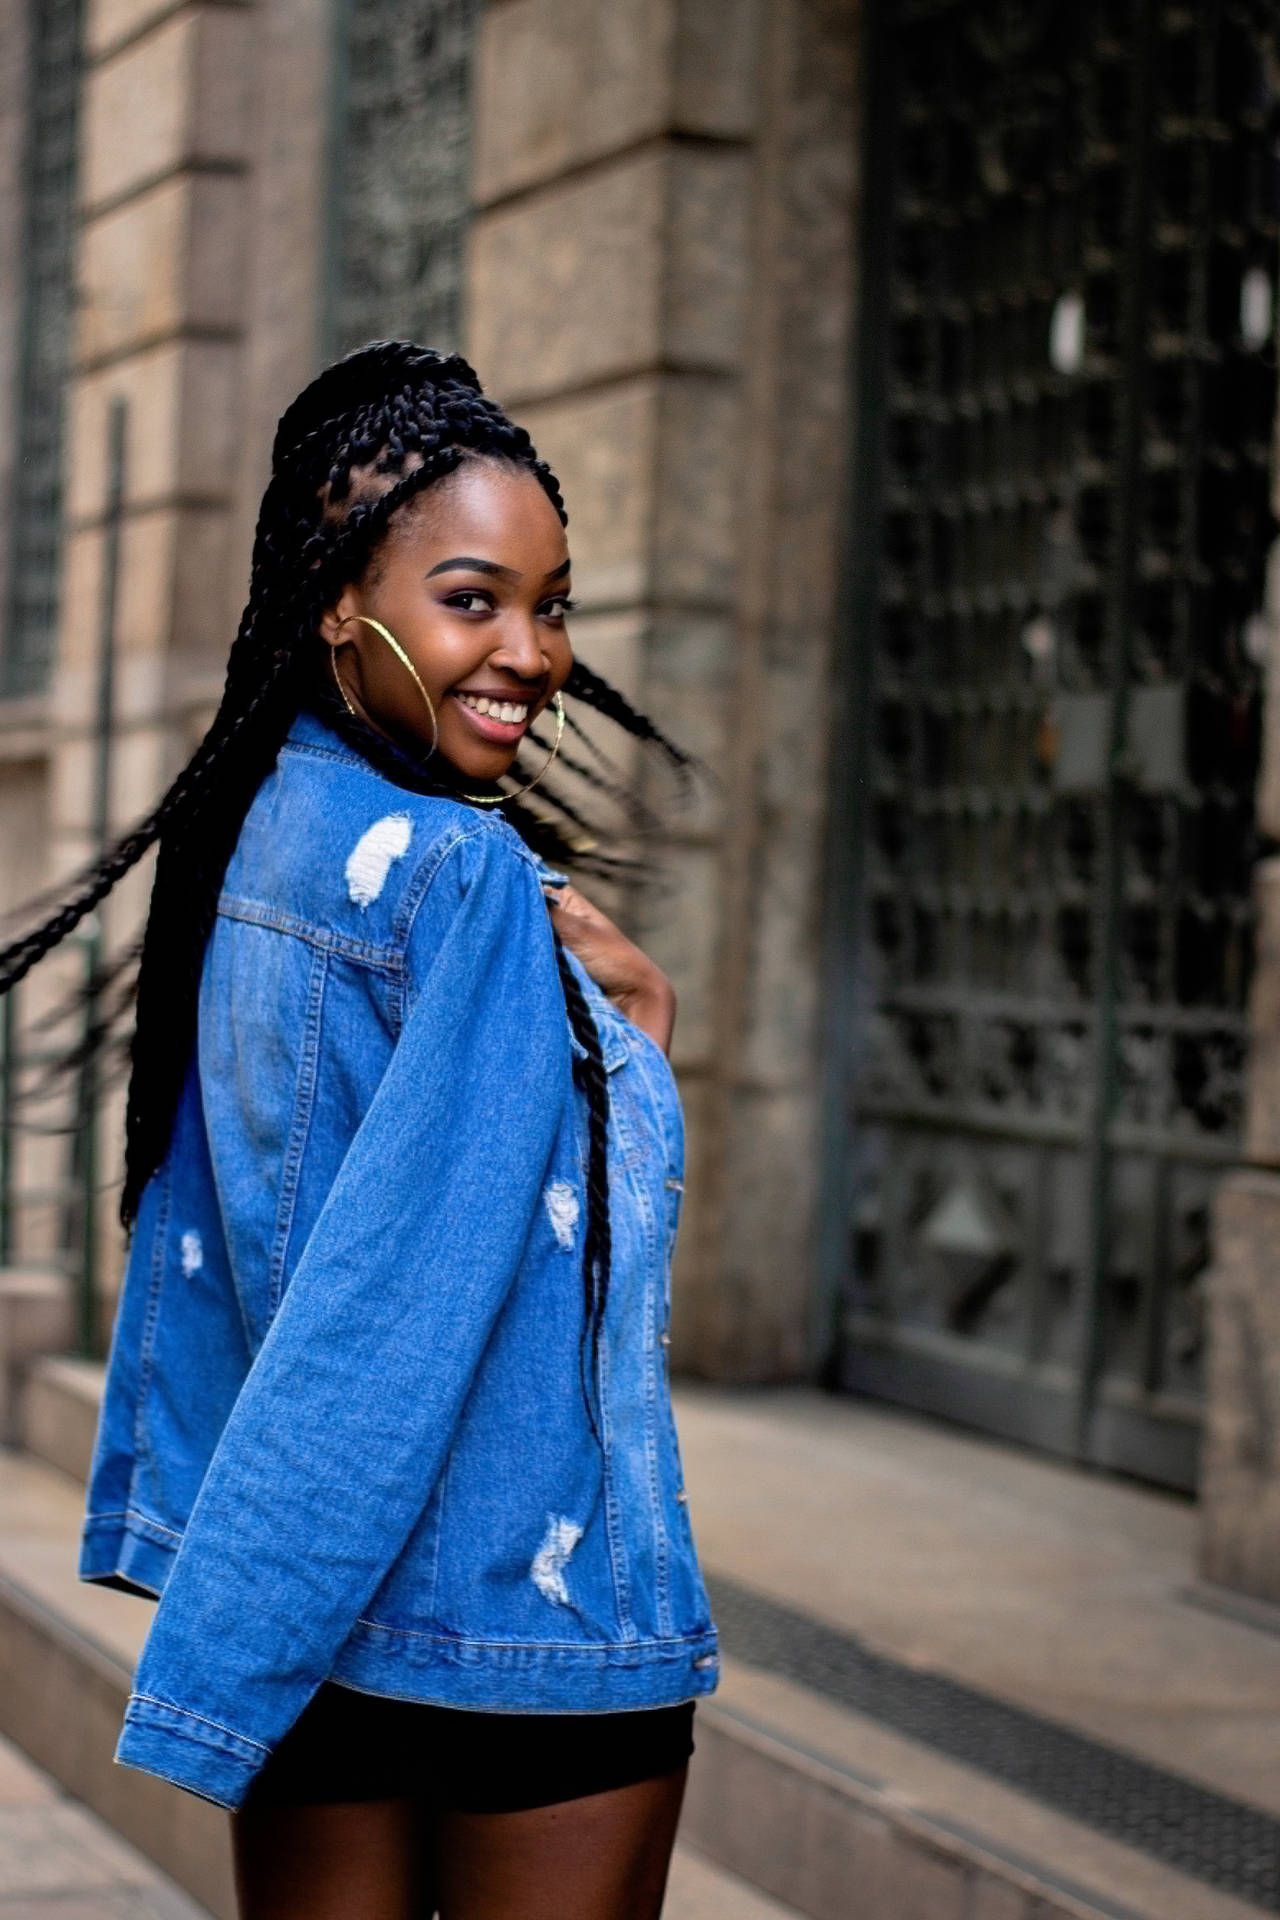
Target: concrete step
column 58, row 1412
column 35, row 1319
column 60, row 1862
column 800, row 1798
column 66, row 1654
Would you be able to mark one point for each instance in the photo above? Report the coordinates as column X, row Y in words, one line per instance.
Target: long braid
column 408, row 417
column 597, row 1236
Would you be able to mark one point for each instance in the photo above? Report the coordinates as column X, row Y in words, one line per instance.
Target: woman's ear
column 332, row 630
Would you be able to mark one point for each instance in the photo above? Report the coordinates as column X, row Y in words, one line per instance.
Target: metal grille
column 402, row 171
column 54, row 31
column 1066, row 509
column 1223, row 1842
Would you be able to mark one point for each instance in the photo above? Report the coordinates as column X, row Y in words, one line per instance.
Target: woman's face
column 473, row 581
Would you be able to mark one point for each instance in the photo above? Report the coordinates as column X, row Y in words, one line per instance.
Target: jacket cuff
column 192, row 1752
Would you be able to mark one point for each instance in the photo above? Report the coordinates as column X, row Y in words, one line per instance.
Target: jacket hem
column 135, row 1553
column 127, row 1551
column 189, row 1751
column 525, row 1677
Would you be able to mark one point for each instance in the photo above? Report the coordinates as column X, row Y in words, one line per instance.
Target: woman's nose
column 521, row 648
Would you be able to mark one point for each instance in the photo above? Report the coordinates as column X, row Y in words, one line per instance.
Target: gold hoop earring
column 368, row 621
column 496, row 799
column 337, row 681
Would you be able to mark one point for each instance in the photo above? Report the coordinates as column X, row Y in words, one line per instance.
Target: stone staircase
column 795, row 1796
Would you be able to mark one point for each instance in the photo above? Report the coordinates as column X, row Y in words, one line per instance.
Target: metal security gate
column 401, row 171
column 1069, row 391
column 45, row 302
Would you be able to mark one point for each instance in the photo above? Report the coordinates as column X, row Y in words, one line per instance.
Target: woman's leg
column 361, row 1860
column 604, row 1857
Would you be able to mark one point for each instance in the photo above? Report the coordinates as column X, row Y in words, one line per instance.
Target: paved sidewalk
column 59, row 1862
column 1063, row 1592
column 1013, row 1646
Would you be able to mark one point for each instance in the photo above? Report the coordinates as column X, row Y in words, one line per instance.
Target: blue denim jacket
column 344, row 1432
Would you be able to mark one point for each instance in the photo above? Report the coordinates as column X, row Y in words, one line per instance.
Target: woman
column 387, row 1423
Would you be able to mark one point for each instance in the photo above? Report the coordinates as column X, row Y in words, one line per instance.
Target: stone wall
column 660, row 289
column 197, row 304
column 659, row 285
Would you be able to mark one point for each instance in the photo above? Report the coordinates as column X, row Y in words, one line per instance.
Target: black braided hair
column 410, row 416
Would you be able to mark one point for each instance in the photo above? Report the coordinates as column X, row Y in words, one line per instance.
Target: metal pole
column 87, row 1132
column 1116, row 800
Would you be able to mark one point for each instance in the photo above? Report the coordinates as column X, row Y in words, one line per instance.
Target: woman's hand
column 637, row 988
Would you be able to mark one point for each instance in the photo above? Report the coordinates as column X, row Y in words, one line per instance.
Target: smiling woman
column 406, row 1091
column 485, row 638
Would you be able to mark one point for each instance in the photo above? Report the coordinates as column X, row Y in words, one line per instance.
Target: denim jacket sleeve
column 363, row 1373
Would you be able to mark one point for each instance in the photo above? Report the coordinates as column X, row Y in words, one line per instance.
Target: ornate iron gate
column 50, row 172
column 1070, row 385
column 401, row 171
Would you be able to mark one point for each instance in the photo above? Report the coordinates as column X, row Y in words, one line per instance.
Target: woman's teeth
column 509, row 710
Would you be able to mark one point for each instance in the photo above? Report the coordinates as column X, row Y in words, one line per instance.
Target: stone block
column 137, row 773
column 708, row 256
column 925, row 1883
column 24, row 815
column 35, row 1319
column 285, row 260
column 560, row 82
column 691, row 1276
column 830, row 1849
column 689, row 666
column 1262, row 1110
column 999, row 1900
column 602, row 448
column 612, row 644
column 786, row 921
column 108, row 23
column 182, row 428
column 677, row 922
column 1240, row 1475
column 175, row 97
column 697, row 492
column 169, row 599
column 639, row 263
column 167, row 259
column 717, row 63
column 565, row 288
column 760, row 1324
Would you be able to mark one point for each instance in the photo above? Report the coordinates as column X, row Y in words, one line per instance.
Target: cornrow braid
column 360, row 442
column 597, row 1236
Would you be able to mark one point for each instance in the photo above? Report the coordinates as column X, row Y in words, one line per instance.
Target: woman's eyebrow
column 467, row 563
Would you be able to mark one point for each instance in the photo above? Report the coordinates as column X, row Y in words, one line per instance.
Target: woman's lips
column 489, row 727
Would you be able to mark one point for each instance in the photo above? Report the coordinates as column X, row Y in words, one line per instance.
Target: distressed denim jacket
column 344, row 1433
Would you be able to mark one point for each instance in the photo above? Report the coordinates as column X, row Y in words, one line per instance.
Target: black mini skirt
column 348, row 1746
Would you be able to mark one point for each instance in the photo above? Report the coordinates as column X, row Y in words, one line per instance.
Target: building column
column 659, row 288
column 202, row 181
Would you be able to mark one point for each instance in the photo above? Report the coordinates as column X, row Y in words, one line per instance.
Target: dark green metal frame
column 1153, row 1104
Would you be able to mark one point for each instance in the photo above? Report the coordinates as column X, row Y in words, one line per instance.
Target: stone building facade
column 695, row 246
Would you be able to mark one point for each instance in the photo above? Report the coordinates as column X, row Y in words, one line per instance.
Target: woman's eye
column 468, row 601
column 557, row 609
